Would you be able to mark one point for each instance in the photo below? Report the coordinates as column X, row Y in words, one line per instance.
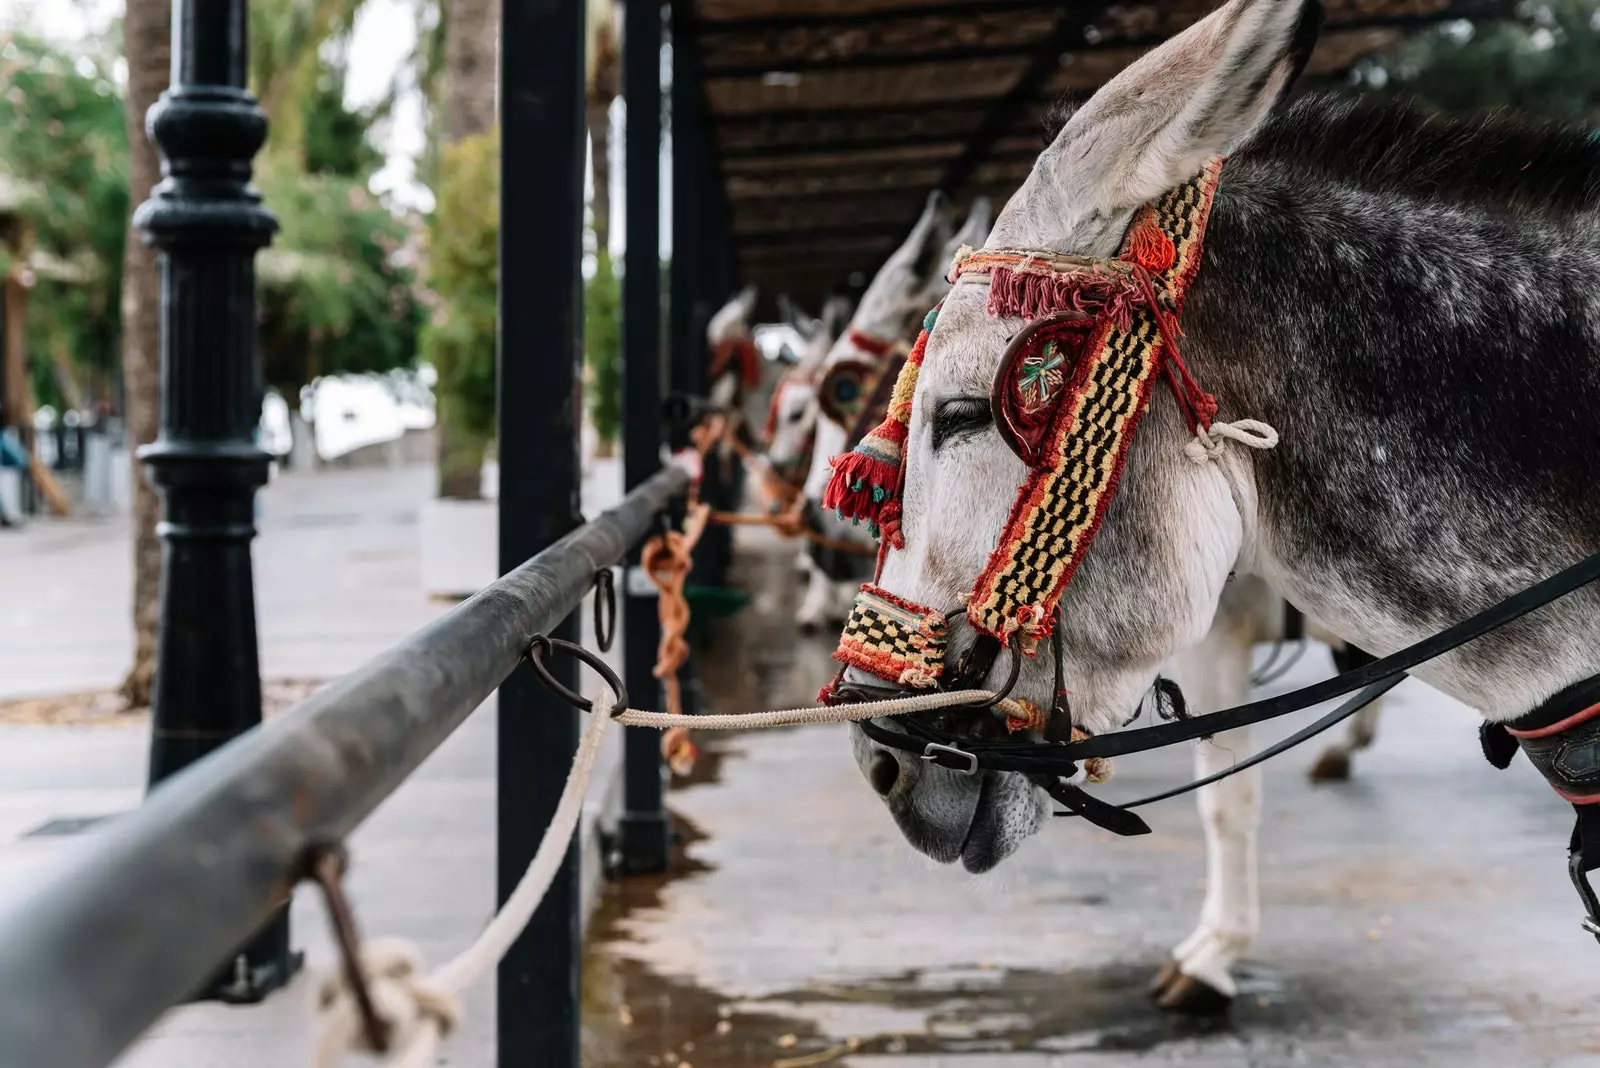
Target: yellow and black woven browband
column 1059, row 508
column 893, row 639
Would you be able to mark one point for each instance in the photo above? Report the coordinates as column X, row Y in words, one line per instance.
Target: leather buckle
column 931, row 754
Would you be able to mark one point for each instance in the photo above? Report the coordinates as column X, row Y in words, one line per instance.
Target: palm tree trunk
column 147, row 42
column 604, row 82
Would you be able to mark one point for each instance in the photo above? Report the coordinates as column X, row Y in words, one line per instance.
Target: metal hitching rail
column 142, row 915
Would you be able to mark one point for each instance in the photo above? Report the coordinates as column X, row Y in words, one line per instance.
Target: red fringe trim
column 1034, row 295
column 851, row 487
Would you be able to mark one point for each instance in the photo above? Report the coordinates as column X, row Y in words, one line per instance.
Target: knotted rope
column 416, row 1011
column 666, row 562
column 1208, row 441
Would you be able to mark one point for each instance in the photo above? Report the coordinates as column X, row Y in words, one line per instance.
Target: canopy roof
column 829, row 121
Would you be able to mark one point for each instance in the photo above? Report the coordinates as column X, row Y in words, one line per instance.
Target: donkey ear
column 975, row 231
column 931, row 233
column 747, row 301
column 835, row 313
column 1198, row 95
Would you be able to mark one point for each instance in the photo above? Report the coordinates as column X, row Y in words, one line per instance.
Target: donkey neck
column 1430, row 364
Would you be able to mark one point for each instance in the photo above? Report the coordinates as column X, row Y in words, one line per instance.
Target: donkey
column 1410, row 302
column 890, row 309
column 738, row 376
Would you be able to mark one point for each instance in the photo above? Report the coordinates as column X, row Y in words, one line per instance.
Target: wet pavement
column 1416, row 915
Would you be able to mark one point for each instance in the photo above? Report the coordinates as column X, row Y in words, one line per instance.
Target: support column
column 644, row 833
column 207, row 224
column 541, row 292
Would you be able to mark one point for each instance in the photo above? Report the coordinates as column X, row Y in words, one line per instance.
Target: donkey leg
column 841, row 599
column 1216, row 674
column 813, row 610
column 1230, row 812
column 1333, row 763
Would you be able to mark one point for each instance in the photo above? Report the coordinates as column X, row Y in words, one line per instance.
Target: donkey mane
column 1513, row 161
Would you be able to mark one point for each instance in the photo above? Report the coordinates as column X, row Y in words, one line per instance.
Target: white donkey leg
column 813, row 611
column 1216, row 675
column 841, row 599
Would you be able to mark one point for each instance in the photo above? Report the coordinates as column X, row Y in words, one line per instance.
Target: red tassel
column 889, row 525
column 859, row 486
column 1152, row 249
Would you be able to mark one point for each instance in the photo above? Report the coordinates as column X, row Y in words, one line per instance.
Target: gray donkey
column 1409, row 300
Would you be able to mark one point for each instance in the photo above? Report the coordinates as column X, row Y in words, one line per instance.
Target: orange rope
column 789, row 525
column 665, row 560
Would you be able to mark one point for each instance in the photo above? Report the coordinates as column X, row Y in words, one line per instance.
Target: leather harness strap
column 1562, row 740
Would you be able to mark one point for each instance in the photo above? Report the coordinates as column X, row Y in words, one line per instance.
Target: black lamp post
column 207, row 223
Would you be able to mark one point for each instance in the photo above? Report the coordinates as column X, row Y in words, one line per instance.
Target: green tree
column 336, row 295
column 463, row 277
column 62, row 136
column 1545, row 60
column 602, row 352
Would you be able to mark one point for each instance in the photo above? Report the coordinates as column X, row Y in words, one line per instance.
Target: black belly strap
column 1562, row 739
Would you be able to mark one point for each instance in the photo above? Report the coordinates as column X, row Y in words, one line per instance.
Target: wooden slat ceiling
column 831, row 120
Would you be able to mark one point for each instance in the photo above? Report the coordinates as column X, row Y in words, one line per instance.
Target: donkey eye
column 960, row 415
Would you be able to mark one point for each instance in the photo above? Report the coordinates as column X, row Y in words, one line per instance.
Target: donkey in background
column 890, row 313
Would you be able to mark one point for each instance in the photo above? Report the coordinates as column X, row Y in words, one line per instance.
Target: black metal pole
column 644, row 833
column 689, row 313
column 207, row 223
column 541, row 293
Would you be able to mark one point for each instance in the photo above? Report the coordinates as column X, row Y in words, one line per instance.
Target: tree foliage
column 336, row 293
column 62, row 138
column 463, row 277
column 602, row 350
column 1544, row 60
column 336, row 289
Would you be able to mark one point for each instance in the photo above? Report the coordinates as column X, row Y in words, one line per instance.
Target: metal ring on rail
column 605, row 609
column 542, row 644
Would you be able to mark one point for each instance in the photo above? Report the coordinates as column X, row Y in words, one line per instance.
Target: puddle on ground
column 635, row 1016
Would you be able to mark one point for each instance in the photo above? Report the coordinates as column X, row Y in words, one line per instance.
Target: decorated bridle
column 852, row 392
column 1069, row 393
column 740, row 351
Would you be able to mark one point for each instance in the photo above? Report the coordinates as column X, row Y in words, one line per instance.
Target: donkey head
column 909, row 282
column 1150, row 584
column 792, row 414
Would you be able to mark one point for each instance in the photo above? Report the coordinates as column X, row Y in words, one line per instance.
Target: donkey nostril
column 885, row 770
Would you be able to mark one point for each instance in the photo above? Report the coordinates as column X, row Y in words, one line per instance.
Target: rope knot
column 402, row 997
column 1208, row 441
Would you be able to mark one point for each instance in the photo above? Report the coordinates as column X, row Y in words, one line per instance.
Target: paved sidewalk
column 337, row 581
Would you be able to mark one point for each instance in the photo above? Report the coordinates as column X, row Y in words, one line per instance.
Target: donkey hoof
column 1163, row 979
column 1189, row 996
column 1332, row 766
